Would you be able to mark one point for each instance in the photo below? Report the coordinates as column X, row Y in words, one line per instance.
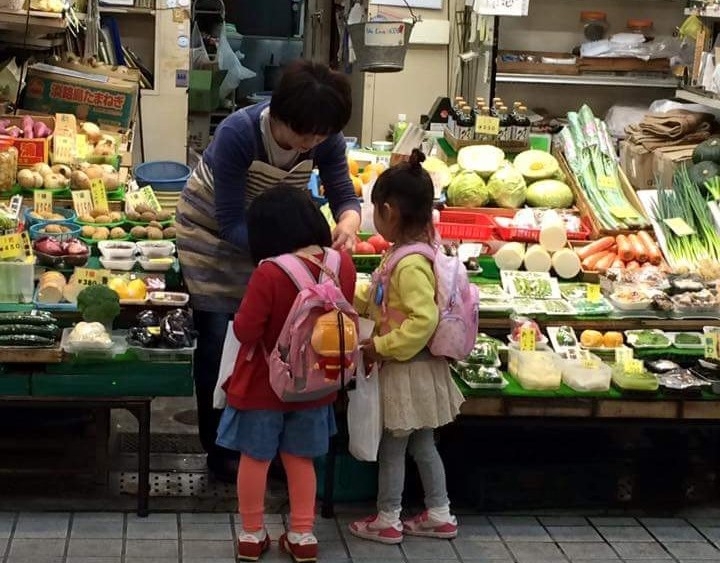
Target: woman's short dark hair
column 283, row 219
column 312, row 99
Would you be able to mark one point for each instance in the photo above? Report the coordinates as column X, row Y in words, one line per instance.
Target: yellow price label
column 606, row 182
column 81, row 146
column 711, row 345
column 82, row 202
column 624, row 212
column 527, row 339
column 99, row 194
column 593, row 292
column 634, row 367
column 151, row 200
column 11, row 246
column 623, row 354
column 487, row 125
column 588, row 362
column 42, row 201
column 679, row 226
column 89, row 276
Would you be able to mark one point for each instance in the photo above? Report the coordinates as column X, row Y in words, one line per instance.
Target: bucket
column 162, row 175
column 380, row 46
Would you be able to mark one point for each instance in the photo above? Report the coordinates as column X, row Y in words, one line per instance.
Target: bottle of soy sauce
column 522, row 125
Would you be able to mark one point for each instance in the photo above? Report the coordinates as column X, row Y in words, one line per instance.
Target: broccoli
column 98, row 303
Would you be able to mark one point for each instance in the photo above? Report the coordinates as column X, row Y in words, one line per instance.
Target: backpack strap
column 296, row 269
column 394, row 258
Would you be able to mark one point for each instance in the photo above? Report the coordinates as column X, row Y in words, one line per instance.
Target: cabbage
column 439, row 172
column 468, row 190
column 507, row 187
column 483, row 159
column 549, row 193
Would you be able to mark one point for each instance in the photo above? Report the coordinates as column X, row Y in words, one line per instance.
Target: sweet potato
column 27, row 127
column 40, row 130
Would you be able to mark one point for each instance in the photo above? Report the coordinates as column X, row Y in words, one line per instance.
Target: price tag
column 487, row 125
column 43, row 201
column 63, row 150
column 27, row 245
column 606, row 182
column 151, row 200
column 16, row 205
column 133, row 199
column 623, row 212
column 99, row 194
column 593, row 292
column 88, row 276
column 623, row 354
column 82, row 202
column 679, row 226
column 587, row 361
column 527, row 339
column 634, row 367
column 11, row 246
column 81, row 146
column 711, row 345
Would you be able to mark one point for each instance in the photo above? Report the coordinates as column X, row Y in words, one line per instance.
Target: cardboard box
column 32, row 151
column 204, row 90
column 666, row 161
column 637, row 163
column 106, row 101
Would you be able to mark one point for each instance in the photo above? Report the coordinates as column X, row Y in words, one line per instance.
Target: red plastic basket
column 465, row 225
column 533, row 235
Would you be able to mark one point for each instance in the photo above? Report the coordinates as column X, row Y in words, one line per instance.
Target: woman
column 253, row 149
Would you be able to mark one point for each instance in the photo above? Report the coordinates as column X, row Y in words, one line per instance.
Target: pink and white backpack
column 457, row 300
column 298, row 371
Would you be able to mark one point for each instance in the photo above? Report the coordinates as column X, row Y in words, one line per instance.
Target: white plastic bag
column 231, row 347
column 229, row 61
column 364, row 415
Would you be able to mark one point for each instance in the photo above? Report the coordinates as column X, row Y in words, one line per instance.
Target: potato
column 26, row 179
column 169, row 232
column 108, row 168
column 35, row 215
column 153, row 233
column 164, row 216
column 53, row 229
column 104, row 218
column 133, row 216
column 155, row 224
column 100, row 235
column 62, row 169
column 86, row 219
column 111, row 181
column 87, row 231
column 142, row 208
column 55, row 216
column 94, row 171
column 138, row 232
column 147, row 216
column 54, row 181
column 118, row 232
column 115, row 216
column 79, row 180
column 37, row 179
column 42, row 169
column 96, row 212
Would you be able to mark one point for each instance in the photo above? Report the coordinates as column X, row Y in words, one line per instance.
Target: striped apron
column 216, row 272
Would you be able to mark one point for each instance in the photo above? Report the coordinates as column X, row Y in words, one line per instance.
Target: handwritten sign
column 88, row 276
column 385, row 34
column 593, row 292
column 501, row 7
column 43, row 201
column 11, row 246
column 145, row 196
column 527, row 339
column 82, row 202
column 99, row 194
column 623, row 354
column 487, row 125
column 606, row 182
column 634, row 367
column 711, row 345
column 679, row 226
column 16, row 205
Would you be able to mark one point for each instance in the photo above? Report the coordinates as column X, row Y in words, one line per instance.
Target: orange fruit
column 368, row 176
column 353, row 167
column 358, row 185
column 375, row 167
column 119, row 286
column 136, row 289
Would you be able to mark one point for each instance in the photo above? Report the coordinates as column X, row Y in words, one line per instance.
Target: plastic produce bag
column 229, row 61
column 199, row 57
column 364, row 416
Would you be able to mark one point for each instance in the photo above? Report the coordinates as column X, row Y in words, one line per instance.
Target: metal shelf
column 589, row 80
column 697, row 98
column 713, row 12
column 128, row 10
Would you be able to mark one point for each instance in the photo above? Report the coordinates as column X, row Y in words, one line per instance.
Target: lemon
column 136, row 289
column 119, row 286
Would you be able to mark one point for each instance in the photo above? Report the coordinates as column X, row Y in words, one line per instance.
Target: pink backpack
column 457, row 300
column 317, row 350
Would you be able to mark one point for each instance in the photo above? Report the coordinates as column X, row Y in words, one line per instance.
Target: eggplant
column 147, row 318
column 141, row 336
column 176, row 329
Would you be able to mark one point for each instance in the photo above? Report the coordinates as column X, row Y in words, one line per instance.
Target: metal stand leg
column 328, row 507
column 142, row 413
column 102, row 436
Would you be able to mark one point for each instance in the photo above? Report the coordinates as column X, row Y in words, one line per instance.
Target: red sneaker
column 373, row 530
column 423, row 525
column 303, row 551
column 250, row 547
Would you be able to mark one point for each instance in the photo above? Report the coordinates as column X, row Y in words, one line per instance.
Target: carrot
column 653, row 252
column 638, row 247
column 605, row 262
column 596, row 246
column 632, row 265
column 589, row 263
column 625, row 250
column 618, row 263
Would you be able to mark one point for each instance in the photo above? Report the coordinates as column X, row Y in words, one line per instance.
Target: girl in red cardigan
column 256, row 422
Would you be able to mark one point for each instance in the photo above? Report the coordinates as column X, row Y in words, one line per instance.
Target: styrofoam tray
column 672, row 335
column 117, row 346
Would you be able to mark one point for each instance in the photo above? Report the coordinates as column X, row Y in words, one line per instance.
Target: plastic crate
column 354, row 480
column 518, row 234
column 465, row 225
column 162, row 175
column 37, row 228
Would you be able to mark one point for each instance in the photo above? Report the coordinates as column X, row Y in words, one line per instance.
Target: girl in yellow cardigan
column 416, row 389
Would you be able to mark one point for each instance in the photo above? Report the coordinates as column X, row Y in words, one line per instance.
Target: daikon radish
column 510, row 256
column 50, row 291
column 537, row 259
column 566, row 263
column 553, row 235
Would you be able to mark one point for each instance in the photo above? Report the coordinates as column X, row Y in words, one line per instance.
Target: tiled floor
column 209, row 538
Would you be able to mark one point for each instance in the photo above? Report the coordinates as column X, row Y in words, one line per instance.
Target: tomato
column 364, row 248
column 379, row 243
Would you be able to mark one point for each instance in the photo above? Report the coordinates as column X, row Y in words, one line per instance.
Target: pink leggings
column 252, row 482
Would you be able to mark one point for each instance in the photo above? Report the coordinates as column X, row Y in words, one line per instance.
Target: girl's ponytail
column 417, row 157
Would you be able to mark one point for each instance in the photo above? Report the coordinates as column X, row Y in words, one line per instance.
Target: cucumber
column 35, row 318
column 28, row 340
column 48, row 331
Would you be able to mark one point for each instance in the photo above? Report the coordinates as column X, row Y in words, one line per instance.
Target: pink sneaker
column 250, row 547
column 422, row 525
column 371, row 529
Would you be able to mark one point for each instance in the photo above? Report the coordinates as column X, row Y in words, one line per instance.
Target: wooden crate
column 508, row 146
